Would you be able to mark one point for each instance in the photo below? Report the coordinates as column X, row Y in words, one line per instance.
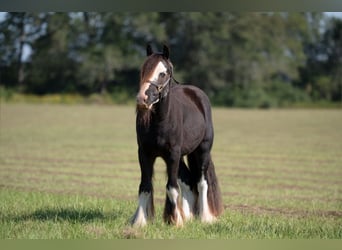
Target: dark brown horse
column 174, row 121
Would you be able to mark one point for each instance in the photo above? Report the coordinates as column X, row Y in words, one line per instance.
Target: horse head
column 155, row 76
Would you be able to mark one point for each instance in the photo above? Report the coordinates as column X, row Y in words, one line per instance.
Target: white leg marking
column 204, row 211
column 188, row 200
column 143, row 211
column 172, row 194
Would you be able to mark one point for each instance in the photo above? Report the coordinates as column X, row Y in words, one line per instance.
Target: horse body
column 174, row 121
column 164, row 130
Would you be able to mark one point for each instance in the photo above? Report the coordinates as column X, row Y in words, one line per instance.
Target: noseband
column 160, row 87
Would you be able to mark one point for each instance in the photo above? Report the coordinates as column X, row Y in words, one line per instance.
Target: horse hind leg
column 209, row 198
column 186, row 184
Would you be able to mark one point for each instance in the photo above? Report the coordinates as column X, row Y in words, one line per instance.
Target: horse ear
column 166, row 52
column 149, row 50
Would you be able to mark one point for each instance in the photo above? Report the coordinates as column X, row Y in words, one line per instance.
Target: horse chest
column 159, row 137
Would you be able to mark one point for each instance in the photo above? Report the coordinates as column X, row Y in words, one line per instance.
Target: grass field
column 71, row 171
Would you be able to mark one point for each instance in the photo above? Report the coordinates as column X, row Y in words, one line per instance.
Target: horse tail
column 214, row 192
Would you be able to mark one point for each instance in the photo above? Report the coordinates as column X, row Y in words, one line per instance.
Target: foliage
column 322, row 76
column 238, row 59
column 271, row 94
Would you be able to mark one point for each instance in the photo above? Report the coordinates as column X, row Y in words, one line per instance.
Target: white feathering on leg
column 188, row 200
column 141, row 215
column 172, row 194
column 204, row 211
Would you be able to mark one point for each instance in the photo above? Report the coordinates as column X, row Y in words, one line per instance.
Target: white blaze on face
column 160, row 68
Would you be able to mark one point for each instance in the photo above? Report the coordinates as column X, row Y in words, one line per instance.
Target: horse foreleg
column 145, row 210
column 186, row 186
column 173, row 213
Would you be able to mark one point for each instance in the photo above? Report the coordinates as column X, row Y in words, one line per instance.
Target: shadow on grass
column 67, row 214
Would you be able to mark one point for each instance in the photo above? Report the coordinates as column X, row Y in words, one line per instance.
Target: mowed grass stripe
column 273, row 182
column 285, row 212
column 304, row 168
column 159, row 200
column 302, row 165
column 284, row 159
column 224, row 156
column 255, row 209
column 102, row 190
column 259, row 180
column 132, row 166
column 130, row 170
column 112, row 185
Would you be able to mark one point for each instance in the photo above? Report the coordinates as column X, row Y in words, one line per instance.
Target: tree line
column 239, row 59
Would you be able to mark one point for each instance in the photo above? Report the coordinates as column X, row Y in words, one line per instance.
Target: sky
column 334, row 14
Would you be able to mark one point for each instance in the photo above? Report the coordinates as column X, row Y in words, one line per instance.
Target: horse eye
column 162, row 74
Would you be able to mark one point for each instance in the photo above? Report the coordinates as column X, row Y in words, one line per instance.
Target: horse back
column 193, row 99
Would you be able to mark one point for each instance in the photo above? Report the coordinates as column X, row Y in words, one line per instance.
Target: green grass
column 72, row 172
column 37, row 215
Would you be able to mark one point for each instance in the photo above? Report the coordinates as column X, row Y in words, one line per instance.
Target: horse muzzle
column 147, row 98
column 146, row 105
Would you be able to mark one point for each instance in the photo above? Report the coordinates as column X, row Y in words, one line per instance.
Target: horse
column 174, row 121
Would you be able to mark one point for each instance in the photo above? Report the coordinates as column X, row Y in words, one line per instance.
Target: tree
column 322, row 74
column 18, row 29
column 112, row 47
column 333, row 40
column 51, row 69
column 237, row 52
column 245, row 59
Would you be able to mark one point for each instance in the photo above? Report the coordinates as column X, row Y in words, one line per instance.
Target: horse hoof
column 175, row 219
column 208, row 218
column 138, row 223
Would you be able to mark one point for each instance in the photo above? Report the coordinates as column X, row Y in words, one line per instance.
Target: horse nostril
column 144, row 99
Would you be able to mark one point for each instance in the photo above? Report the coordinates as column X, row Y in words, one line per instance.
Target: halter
column 160, row 87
